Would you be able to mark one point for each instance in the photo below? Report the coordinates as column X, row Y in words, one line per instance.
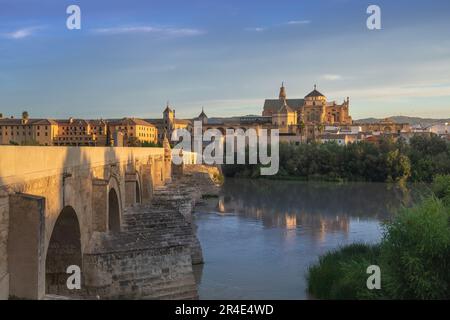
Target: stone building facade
column 312, row 109
column 79, row 132
column 75, row 132
column 169, row 123
column 27, row 131
column 134, row 129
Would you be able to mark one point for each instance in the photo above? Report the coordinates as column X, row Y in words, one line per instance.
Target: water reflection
column 262, row 235
column 374, row 200
column 320, row 207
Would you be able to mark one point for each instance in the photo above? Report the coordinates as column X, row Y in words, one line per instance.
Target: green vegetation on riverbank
column 417, row 161
column 414, row 256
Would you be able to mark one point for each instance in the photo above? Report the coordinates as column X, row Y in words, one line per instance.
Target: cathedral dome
column 314, row 94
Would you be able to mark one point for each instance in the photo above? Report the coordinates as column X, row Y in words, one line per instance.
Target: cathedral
column 298, row 120
column 313, row 109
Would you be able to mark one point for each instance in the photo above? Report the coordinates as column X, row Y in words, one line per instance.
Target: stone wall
column 4, row 276
column 184, row 192
column 149, row 259
column 66, row 177
column 151, row 256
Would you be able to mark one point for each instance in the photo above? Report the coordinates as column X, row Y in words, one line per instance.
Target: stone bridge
column 92, row 207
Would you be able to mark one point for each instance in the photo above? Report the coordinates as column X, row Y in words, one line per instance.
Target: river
column 260, row 236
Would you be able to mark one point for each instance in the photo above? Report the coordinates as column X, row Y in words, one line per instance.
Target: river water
column 260, row 236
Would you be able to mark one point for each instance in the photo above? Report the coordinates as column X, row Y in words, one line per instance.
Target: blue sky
column 130, row 57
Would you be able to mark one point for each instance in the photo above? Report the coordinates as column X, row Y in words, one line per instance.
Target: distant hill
column 424, row 122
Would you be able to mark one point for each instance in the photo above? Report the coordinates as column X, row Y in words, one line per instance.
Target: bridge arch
column 64, row 250
column 138, row 189
column 114, row 204
column 113, row 211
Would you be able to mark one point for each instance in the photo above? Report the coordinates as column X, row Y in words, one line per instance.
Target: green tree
column 398, row 166
column 133, row 142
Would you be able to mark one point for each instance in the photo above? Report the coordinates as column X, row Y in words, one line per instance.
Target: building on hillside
column 386, row 126
column 26, row 131
column 339, row 138
column 441, row 129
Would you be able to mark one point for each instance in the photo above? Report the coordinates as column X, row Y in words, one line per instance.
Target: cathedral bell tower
column 282, row 95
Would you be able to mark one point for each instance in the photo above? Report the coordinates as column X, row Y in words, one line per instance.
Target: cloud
column 332, row 77
column 256, row 29
column 396, row 92
column 178, row 32
column 288, row 23
column 222, row 107
column 21, row 33
column 297, row 22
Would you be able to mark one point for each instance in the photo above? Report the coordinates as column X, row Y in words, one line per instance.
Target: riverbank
column 413, row 256
column 260, row 236
column 389, row 161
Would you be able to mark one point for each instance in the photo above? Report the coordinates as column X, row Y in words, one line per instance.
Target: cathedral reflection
column 316, row 209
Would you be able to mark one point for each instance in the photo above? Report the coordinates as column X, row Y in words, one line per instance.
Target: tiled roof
column 75, row 122
column 223, row 121
column 314, row 93
column 182, row 121
column 275, row 104
column 285, row 108
column 17, row 122
column 131, row 121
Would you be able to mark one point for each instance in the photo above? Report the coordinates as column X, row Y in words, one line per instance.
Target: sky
column 130, row 57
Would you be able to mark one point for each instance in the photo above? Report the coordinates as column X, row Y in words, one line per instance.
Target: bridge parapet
column 95, row 183
column 20, row 163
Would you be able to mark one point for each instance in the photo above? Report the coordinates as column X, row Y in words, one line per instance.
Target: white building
column 440, row 129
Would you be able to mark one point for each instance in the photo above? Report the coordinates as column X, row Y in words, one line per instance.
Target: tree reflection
column 314, row 206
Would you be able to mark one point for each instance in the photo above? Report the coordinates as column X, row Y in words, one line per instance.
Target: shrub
column 415, row 252
column 414, row 256
column 341, row 274
column 441, row 188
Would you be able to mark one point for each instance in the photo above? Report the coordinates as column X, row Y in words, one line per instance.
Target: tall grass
column 341, row 274
column 414, row 256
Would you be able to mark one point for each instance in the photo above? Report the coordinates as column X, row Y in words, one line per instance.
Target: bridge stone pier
column 92, row 207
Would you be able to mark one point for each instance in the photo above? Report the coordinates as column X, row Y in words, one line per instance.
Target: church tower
column 202, row 117
column 282, row 95
column 169, row 120
column 169, row 116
